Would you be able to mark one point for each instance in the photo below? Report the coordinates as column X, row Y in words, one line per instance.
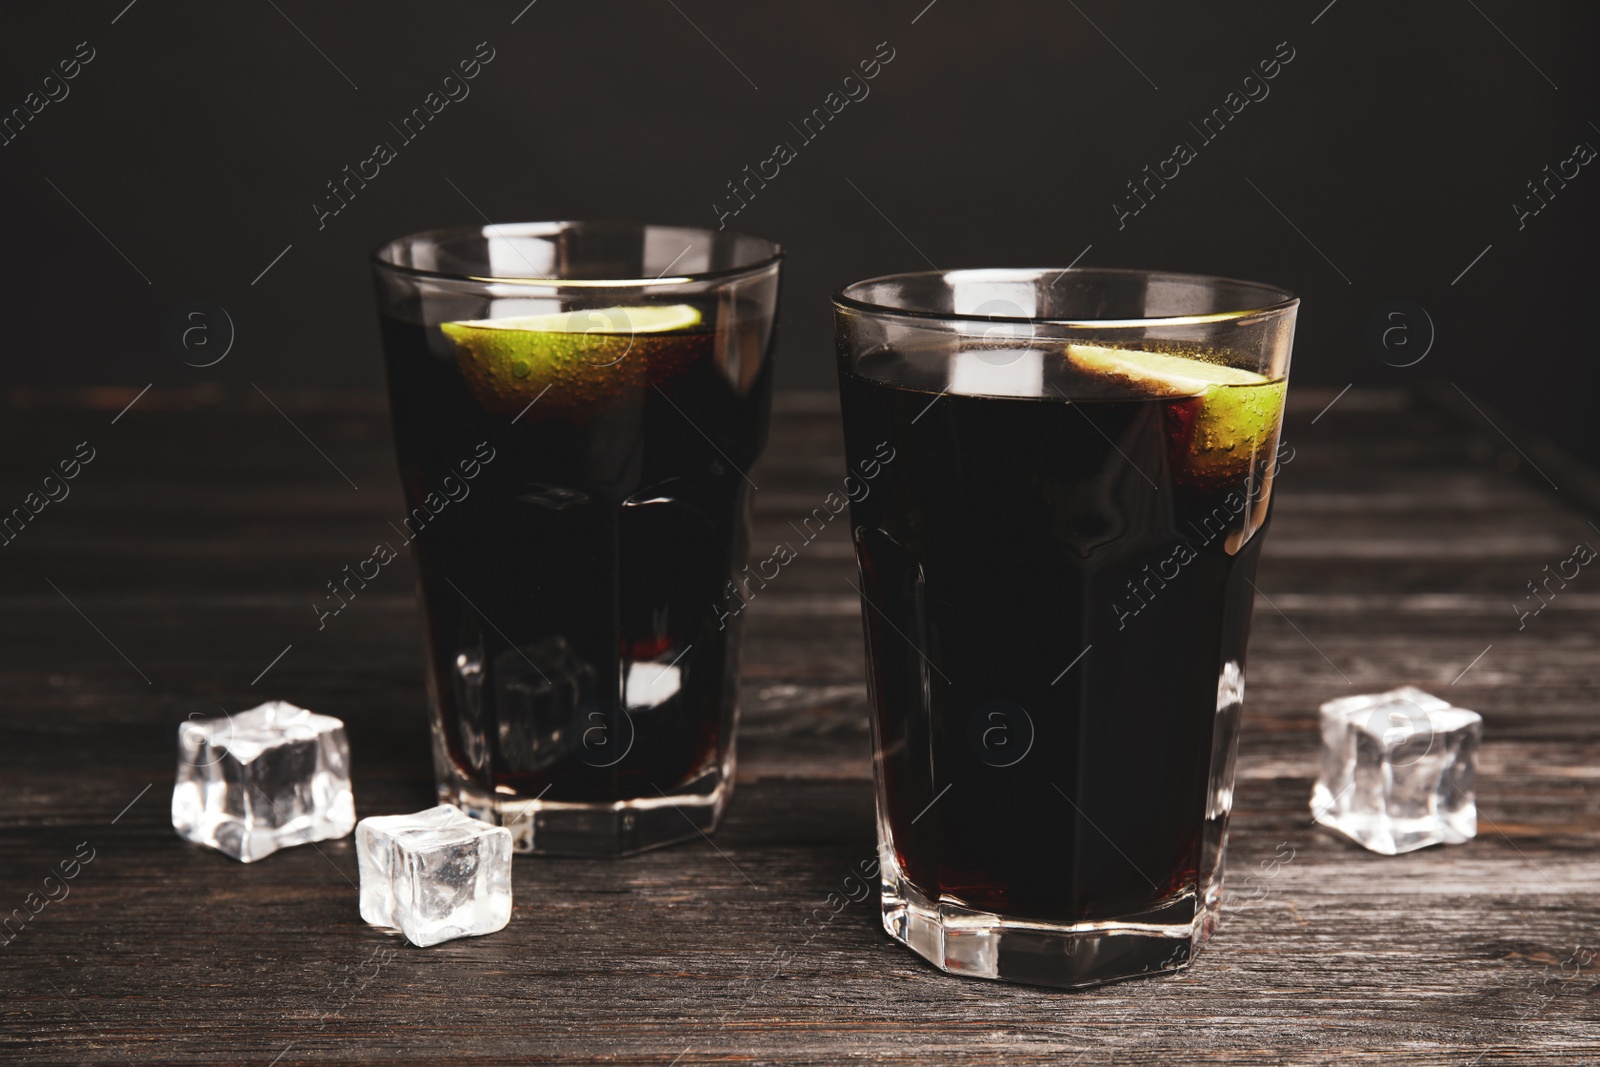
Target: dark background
column 1396, row 141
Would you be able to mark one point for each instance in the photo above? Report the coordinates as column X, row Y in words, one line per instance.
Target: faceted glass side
column 982, row 944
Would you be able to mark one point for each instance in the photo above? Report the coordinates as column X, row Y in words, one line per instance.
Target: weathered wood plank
column 205, row 527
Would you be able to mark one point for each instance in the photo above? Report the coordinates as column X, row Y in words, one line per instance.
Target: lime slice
column 1173, row 375
column 1235, row 412
column 604, row 321
column 569, row 360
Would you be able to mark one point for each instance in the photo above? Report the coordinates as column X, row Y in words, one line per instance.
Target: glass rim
column 774, row 253
column 1279, row 300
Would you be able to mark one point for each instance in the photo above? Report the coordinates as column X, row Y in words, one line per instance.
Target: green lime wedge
column 570, row 360
column 1234, row 416
column 1173, row 375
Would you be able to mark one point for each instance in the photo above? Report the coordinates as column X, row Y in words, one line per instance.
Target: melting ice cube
column 264, row 779
column 435, row 875
column 1398, row 770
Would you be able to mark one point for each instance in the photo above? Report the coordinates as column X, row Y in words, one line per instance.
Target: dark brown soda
column 576, row 582
column 1023, row 552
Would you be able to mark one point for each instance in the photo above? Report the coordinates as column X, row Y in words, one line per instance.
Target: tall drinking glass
column 1071, row 476
column 576, row 409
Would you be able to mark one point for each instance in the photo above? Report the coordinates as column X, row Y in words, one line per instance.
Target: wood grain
column 197, row 539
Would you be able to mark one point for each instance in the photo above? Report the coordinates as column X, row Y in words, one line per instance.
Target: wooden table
column 178, row 577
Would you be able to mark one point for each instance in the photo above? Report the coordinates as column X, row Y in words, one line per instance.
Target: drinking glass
column 576, row 409
column 1065, row 480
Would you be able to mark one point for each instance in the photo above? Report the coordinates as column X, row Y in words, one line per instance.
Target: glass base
column 980, row 944
column 619, row 828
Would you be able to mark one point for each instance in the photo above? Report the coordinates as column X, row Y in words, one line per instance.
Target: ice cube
column 264, row 779
column 537, row 689
column 1398, row 770
column 435, row 875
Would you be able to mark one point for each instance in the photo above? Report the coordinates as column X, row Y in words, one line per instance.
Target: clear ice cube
column 537, row 690
column 1398, row 770
column 264, row 779
column 435, row 875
